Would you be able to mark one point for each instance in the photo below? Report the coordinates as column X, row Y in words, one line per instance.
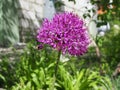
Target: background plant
column 35, row 71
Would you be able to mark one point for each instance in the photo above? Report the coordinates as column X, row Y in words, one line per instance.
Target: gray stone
column 32, row 15
column 19, row 45
column 49, row 9
column 39, row 1
column 24, row 4
column 39, row 15
column 32, row 27
column 31, row 7
column 25, row 14
column 24, row 23
column 32, row 1
column 38, row 8
column 36, row 23
column 92, row 29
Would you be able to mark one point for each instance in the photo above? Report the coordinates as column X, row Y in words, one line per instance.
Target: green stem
column 56, row 70
column 57, row 63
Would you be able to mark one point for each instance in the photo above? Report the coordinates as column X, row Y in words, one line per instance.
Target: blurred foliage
column 117, row 83
column 9, row 33
column 35, row 71
column 110, row 45
column 109, row 9
column 85, row 79
column 7, row 73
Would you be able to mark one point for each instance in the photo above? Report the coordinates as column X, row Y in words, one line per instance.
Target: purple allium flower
column 65, row 32
column 40, row 47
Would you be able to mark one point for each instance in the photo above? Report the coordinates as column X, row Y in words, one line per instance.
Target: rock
column 116, row 73
column 19, row 45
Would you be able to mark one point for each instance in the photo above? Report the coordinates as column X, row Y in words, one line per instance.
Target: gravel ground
column 12, row 52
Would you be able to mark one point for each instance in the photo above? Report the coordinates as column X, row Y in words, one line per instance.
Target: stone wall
column 30, row 15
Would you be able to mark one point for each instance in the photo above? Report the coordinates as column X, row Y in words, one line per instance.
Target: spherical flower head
column 66, row 32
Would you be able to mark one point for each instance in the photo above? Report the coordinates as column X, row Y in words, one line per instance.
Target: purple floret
column 65, row 32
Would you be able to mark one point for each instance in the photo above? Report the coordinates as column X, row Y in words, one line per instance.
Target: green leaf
column 3, row 78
